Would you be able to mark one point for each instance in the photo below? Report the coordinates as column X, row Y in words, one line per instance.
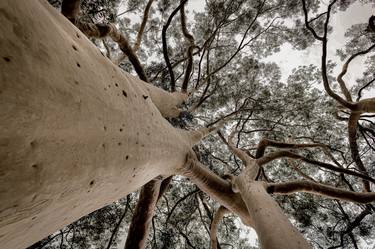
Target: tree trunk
column 273, row 228
column 76, row 133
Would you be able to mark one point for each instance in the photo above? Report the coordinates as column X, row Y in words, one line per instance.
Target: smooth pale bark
column 215, row 224
column 273, row 228
column 76, row 133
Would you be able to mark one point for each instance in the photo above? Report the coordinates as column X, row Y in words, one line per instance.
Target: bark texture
column 76, row 133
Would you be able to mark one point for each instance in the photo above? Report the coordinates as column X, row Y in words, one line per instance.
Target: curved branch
column 307, row 23
column 279, row 154
column 165, row 45
column 138, row 229
column 138, row 40
column 319, row 189
column 352, row 129
column 103, row 30
column 326, row 85
column 70, row 9
column 264, row 143
column 342, row 84
column 190, row 50
column 216, row 187
column 214, row 225
column 364, row 87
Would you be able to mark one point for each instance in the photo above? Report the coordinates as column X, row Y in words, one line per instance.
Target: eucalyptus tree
column 78, row 133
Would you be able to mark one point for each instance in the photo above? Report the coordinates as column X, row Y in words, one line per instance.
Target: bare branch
column 216, row 187
column 319, row 189
column 214, row 225
column 103, row 30
column 138, row 229
column 280, row 154
column 307, row 22
column 138, row 40
column 352, row 129
column 190, row 50
column 342, row 84
column 165, row 45
column 364, row 87
column 70, row 9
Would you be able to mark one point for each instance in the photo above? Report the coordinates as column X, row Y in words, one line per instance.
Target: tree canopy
column 312, row 128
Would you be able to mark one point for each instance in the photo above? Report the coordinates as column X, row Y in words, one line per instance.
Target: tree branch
column 319, row 189
column 142, row 27
column 352, row 130
column 70, row 9
column 138, row 229
column 103, row 30
column 279, row 154
column 165, row 45
column 214, row 225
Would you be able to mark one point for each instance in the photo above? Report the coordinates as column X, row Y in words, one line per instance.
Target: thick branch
column 190, row 50
column 216, row 187
column 142, row 27
column 352, row 129
column 342, row 84
column 264, row 143
column 326, row 85
column 214, row 225
column 165, row 45
column 70, row 9
column 279, row 154
column 103, row 30
column 138, row 229
column 307, row 23
column 320, row 189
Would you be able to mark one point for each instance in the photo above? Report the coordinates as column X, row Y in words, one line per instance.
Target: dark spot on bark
column 7, row 59
column 15, row 205
column 142, row 145
column 116, row 84
column 133, row 169
column 109, row 86
column 152, row 114
column 33, row 218
column 135, row 95
column 124, row 93
column 105, row 128
column 78, row 65
column 32, row 143
column 145, row 96
column 133, row 175
column 75, row 48
column 103, row 145
column 148, row 134
column 76, row 82
column 105, row 89
column 136, row 142
column 34, row 166
column 123, row 125
column 127, row 157
column 78, row 36
column 92, row 182
column 120, row 129
column 119, row 144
